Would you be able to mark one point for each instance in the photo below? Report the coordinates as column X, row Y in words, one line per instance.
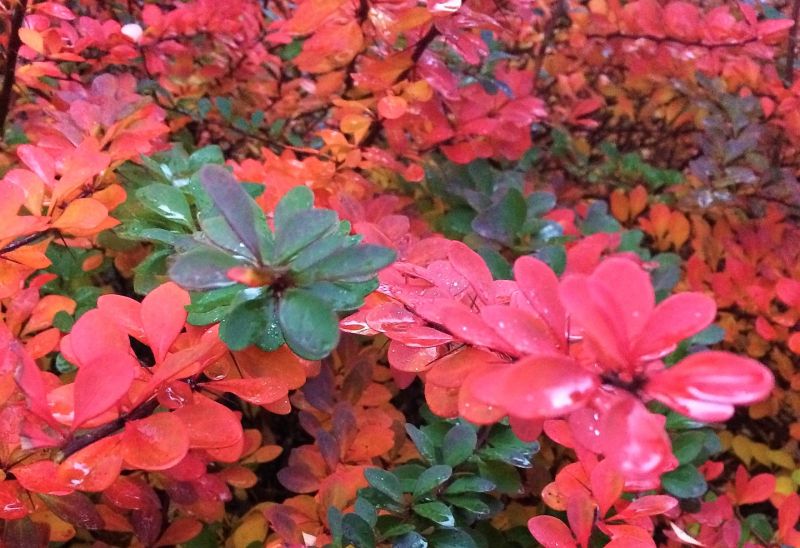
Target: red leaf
column 75, row 508
column 539, row 284
column 11, row 505
column 409, row 359
column 634, row 441
column 40, row 477
column 607, row 485
column 539, row 387
column 523, row 330
column 464, row 324
column 126, row 313
column 706, row 385
column 155, row 443
column 93, row 468
column 674, row 319
column 163, row 317
column 650, row 505
column 180, row 531
column 94, row 336
column 757, row 489
column 628, row 286
column 472, row 266
column 580, row 513
column 209, row 424
column 551, row 532
column 258, row 391
column 100, row 384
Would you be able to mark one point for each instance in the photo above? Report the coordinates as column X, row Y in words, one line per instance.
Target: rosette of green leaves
column 447, row 498
column 297, row 277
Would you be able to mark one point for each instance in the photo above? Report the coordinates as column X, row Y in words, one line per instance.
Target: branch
column 14, row 43
column 788, row 70
column 76, row 444
column 672, row 40
column 562, row 10
column 25, row 240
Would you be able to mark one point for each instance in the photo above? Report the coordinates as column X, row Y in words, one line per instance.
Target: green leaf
column 217, row 229
column 385, row 482
column 310, row 327
column 366, row 511
column 298, row 199
column 343, row 296
column 503, row 475
column 270, row 337
column 760, row 525
column 423, row 442
column 437, row 512
column 459, row 444
column 239, row 328
column 392, row 526
column 300, row 230
column 354, row 263
column 357, row 531
column 503, row 220
column 539, row 203
column 451, row 538
column 410, row 540
column 202, row 268
column 321, row 249
column 684, row 482
column 210, row 154
column 470, row 484
column 167, row 201
column 432, row 478
column 210, row 306
column 687, row 445
column 234, row 203
column 471, row 503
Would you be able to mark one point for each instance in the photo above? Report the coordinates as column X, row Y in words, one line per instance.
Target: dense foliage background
column 477, row 273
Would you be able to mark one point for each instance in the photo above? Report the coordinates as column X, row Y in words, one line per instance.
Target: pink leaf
column 539, row 284
column 540, row 387
column 674, row 319
column 521, row 329
column 706, row 385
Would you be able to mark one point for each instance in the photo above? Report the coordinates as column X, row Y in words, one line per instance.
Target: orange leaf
column 155, row 443
column 93, row 468
column 81, row 217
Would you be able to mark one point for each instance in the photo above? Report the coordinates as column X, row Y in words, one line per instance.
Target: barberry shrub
column 453, row 273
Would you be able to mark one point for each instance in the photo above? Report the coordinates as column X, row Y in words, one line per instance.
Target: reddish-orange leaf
column 155, row 443
column 93, row 468
column 163, row 316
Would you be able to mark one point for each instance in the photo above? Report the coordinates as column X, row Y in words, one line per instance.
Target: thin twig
column 788, row 70
column 561, row 10
column 14, row 43
column 76, row 444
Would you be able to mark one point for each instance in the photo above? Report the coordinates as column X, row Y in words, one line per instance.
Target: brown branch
column 561, row 10
column 672, row 40
column 25, row 240
column 76, row 444
column 14, row 43
column 788, row 74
